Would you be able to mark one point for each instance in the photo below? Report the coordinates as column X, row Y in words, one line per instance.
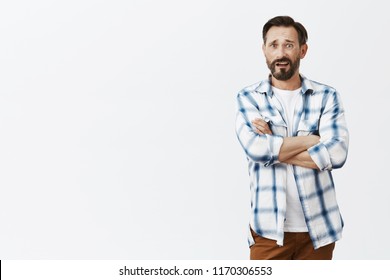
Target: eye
column 273, row 45
column 289, row 46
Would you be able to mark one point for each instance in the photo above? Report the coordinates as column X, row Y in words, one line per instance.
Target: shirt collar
column 266, row 87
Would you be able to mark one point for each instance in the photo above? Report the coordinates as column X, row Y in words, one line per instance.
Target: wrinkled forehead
column 281, row 34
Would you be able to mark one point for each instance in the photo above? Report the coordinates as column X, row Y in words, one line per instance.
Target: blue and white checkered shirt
column 319, row 111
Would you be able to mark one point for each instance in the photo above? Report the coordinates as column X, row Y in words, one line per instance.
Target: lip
column 282, row 64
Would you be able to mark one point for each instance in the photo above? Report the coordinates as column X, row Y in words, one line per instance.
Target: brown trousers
column 296, row 246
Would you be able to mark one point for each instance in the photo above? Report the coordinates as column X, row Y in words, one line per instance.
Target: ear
column 303, row 50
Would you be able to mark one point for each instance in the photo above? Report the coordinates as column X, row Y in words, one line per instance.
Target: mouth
column 282, row 64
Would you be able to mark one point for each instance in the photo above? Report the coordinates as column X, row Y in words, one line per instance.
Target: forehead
column 282, row 33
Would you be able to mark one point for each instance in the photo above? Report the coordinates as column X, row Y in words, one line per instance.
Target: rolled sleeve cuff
column 319, row 154
column 275, row 143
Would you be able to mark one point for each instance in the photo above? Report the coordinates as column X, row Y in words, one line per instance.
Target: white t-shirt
column 295, row 219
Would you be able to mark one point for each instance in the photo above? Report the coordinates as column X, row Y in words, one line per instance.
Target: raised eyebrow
column 272, row 42
column 286, row 41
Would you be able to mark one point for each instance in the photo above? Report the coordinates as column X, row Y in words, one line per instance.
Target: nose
column 280, row 52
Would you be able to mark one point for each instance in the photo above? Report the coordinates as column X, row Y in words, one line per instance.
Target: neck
column 291, row 84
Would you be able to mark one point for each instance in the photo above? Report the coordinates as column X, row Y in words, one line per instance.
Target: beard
column 283, row 74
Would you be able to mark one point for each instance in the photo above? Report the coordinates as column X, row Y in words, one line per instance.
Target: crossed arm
column 294, row 149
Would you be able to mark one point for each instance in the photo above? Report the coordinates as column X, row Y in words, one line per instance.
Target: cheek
column 269, row 56
column 268, row 60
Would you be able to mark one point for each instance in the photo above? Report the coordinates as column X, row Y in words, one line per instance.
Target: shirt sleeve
column 263, row 149
column 332, row 150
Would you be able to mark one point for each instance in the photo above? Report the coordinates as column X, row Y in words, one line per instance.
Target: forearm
column 263, row 149
column 302, row 159
column 293, row 146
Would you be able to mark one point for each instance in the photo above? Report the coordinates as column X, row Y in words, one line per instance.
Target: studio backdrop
column 117, row 121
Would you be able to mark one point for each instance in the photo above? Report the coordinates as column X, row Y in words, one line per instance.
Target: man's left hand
column 261, row 126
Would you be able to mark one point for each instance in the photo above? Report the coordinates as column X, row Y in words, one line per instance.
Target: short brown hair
column 286, row 21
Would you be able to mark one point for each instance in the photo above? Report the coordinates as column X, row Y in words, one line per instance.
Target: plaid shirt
column 319, row 111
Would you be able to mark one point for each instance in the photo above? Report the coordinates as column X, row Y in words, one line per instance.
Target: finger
column 263, row 129
column 259, row 122
column 261, row 126
column 258, row 131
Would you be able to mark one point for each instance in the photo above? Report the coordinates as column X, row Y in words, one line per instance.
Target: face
column 282, row 52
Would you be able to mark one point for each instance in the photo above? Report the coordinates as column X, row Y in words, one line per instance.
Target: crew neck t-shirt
column 295, row 219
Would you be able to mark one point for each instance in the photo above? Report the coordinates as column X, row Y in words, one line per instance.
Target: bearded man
column 293, row 132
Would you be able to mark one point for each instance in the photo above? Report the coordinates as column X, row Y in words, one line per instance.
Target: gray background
column 117, row 124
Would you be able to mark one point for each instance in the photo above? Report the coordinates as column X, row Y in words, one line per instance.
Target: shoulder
column 319, row 88
column 253, row 89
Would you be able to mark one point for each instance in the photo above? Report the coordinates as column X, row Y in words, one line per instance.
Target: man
column 294, row 133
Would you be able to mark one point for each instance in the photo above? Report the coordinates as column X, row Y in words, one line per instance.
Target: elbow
column 338, row 152
column 256, row 152
column 262, row 149
column 265, row 150
column 263, row 159
column 339, row 160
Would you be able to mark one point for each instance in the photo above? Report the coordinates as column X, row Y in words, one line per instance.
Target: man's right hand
column 295, row 145
column 312, row 140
